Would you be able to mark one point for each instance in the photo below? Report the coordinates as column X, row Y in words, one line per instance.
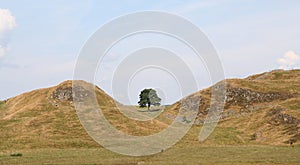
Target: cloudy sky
column 41, row 40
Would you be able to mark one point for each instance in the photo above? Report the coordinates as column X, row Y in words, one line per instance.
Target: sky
column 40, row 41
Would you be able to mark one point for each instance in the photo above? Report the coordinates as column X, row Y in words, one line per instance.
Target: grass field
column 38, row 129
column 226, row 145
column 175, row 155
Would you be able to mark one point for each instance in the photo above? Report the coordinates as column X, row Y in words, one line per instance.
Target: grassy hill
column 260, row 110
column 35, row 120
column 46, row 118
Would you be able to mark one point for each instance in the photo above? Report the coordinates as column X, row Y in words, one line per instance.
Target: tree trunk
column 149, row 104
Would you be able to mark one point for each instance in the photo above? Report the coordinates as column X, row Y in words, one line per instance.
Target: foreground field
column 176, row 155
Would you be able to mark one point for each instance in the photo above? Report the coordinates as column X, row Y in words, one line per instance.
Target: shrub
column 16, row 154
column 253, row 136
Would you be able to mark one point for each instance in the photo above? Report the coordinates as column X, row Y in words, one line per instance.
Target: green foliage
column 149, row 97
column 16, row 154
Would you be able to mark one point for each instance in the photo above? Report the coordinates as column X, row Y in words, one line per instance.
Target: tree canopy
column 149, row 97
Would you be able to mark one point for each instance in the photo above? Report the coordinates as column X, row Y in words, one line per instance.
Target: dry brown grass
column 31, row 121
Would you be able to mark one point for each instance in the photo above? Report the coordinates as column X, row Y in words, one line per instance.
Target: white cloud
column 289, row 59
column 7, row 23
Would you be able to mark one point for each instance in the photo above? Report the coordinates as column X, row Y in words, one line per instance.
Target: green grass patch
column 174, row 155
column 1, row 104
column 225, row 136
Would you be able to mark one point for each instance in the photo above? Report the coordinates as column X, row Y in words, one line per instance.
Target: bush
column 253, row 136
column 16, row 154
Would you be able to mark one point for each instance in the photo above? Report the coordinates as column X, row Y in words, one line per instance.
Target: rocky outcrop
column 245, row 100
column 191, row 103
column 66, row 93
column 277, row 117
column 63, row 94
column 245, row 97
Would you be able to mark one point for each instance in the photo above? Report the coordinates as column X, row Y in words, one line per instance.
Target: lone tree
column 149, row 97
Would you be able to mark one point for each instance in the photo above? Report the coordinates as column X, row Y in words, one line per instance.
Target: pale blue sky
column 250, row 36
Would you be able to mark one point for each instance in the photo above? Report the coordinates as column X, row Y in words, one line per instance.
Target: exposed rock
column 81, row 93
column 290, row 123
column 66, row 93
column 63, row 93
column 191, row 103
column 277, row 117
column 199, row 121
column 246, row 97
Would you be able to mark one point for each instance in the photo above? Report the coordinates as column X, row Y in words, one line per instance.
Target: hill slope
column 260, row 109
column 46, row 118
